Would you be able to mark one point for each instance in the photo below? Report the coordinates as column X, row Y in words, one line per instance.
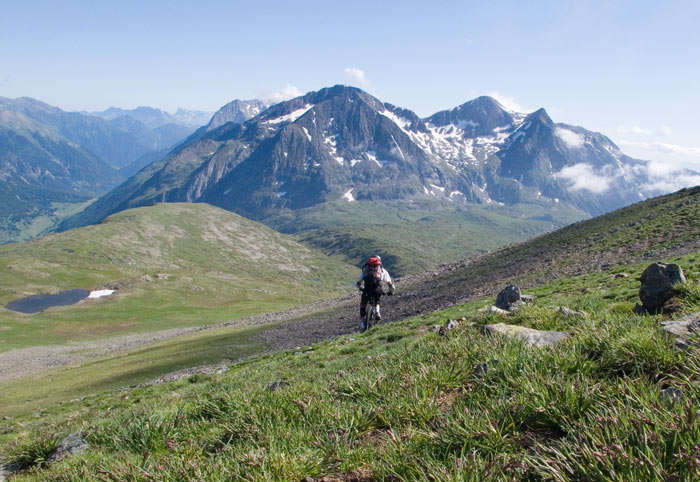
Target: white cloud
column 358, row 76
column 288, row 92
column 583, row 176
column 636, row 130
column 666, row 177
column 671, row 154
column 571, row 138
column 666, row 130
column 508, row 102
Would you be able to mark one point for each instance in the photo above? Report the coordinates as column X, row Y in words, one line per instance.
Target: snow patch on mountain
column 348, row 195
column 306, row 131
column 291, row 117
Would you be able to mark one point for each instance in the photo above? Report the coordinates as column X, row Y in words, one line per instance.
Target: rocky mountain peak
column 477, row 117
column 236, row 111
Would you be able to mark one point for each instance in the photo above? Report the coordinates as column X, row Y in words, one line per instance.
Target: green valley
column 172, row 266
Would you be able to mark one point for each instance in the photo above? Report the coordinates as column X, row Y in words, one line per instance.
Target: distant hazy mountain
column 110, row 143
column 38, row 168
column 50, row 156
column 342, row 143
column 154, row 118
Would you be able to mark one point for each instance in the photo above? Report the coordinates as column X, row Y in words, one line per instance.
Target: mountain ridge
column 341, row 142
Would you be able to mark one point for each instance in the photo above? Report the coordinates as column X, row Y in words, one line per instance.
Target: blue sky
column 629, row 69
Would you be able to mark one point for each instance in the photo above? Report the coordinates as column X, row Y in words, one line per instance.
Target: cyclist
column 370, row 284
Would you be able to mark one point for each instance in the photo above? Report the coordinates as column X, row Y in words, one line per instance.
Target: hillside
column 617, row 400
column 414, row 237
column 172, row 265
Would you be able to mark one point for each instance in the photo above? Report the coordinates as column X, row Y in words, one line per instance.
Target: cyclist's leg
column 377, row 297
column 363, row 310
column 363, row 304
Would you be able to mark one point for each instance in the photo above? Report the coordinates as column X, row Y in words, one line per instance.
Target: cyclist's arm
column 359, row 281
column 387, row 279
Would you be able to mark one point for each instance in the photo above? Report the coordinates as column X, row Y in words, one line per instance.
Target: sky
column 628, row 69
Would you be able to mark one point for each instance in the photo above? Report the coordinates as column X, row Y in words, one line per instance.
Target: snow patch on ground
column 100, row 293
column 348, row 195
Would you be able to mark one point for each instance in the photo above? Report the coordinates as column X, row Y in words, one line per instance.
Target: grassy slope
column 220, row 267
column 414, row 237
column 403, row 402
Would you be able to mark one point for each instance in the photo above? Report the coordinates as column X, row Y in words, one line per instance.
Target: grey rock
column 8, row 469
column 495, row 309
column 435, row 328
column 528, row 335
column 509, row 298
column 527, row 298
column 277, row 385
column 671, row 395
column 451, row 325
column 71, row 445
column 482, row 368
column 683, row 330
column 568, row 312
column 620, row 275
column 657, row 291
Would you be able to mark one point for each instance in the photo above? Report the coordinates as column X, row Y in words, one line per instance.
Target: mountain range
column 341, row 143
column 50, row 157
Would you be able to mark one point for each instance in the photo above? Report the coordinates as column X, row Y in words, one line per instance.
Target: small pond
column 37, row 303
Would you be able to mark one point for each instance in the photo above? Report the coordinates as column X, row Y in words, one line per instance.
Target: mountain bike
column 371, row 313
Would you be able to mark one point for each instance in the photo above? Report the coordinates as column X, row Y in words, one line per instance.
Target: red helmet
column 374, row 261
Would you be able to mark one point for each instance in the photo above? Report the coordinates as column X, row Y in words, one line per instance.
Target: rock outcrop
column 509, row 298
column 528, row 335
column 683, row 329
column 657, row 291
column 71, row 445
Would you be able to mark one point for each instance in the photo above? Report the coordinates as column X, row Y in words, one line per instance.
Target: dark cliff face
column 342, row 143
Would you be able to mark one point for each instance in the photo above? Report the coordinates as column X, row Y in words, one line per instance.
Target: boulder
column 509, row 299
column 683, row 329
column 657, row 292
column 528, row 335
column 71, row 445
column 277, row 385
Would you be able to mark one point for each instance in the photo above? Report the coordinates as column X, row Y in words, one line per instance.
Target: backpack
column 372, row 274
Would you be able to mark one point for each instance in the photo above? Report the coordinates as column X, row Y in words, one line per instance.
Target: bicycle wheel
column 368, row 317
